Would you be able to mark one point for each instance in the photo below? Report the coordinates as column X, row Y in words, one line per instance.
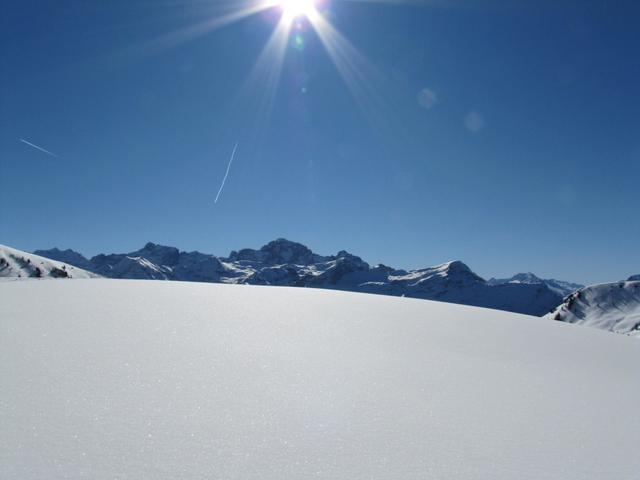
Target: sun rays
column 294, row 21
column 357, row 73
column 292, row 9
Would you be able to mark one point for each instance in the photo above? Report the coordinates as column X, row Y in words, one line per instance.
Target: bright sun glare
column 292, row 9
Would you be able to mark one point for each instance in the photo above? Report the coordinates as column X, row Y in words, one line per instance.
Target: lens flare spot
column 474, row 122
column 298, row 42
column 427, row 98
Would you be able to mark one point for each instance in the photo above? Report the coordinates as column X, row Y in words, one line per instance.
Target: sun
column 292, row 9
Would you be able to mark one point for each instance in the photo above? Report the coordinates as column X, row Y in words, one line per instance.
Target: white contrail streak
column 233, row 155
column 39, row 148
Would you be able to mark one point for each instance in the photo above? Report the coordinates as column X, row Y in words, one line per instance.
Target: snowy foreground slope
column 16, row 264
column 609, row 306
column 124, row 379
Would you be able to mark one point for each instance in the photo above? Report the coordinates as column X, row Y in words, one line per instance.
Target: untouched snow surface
column 126, row 379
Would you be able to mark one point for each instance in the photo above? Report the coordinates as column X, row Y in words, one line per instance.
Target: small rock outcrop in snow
column 16, row 264
column 286, row 263
column 609, row 306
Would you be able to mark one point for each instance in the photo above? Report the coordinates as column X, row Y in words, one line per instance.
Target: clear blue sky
column 522, row 154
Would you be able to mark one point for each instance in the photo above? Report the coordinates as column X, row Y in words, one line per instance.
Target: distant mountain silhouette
column 286, row 263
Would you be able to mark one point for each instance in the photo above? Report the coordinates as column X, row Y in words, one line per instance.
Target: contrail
column 39, row 148
column 233, row 155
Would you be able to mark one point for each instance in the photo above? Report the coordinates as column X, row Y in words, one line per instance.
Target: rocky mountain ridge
column 286, row 263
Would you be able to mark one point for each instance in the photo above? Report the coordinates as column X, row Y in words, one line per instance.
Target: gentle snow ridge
column 109, row 379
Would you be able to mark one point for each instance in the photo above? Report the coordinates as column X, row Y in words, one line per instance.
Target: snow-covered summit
column 559, row 287
column 455, row 282
column 16, row 264
column 519, row 278
column 455, row 270
column 609, row 306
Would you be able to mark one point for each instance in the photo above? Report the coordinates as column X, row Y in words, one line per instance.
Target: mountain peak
column 559, row 287
column 455, row 266
column 280, row 243
column 277, row 252
column 282, row 250
column 159, row 254
column 156, row 246
column 58, row 251
column 526, row 278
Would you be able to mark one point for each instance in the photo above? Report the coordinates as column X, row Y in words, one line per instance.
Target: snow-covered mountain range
column 286, row 263
column 608, row 306
column 16, row 264
column 613, row 307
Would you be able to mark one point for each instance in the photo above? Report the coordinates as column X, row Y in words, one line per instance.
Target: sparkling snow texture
column 107, row 379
